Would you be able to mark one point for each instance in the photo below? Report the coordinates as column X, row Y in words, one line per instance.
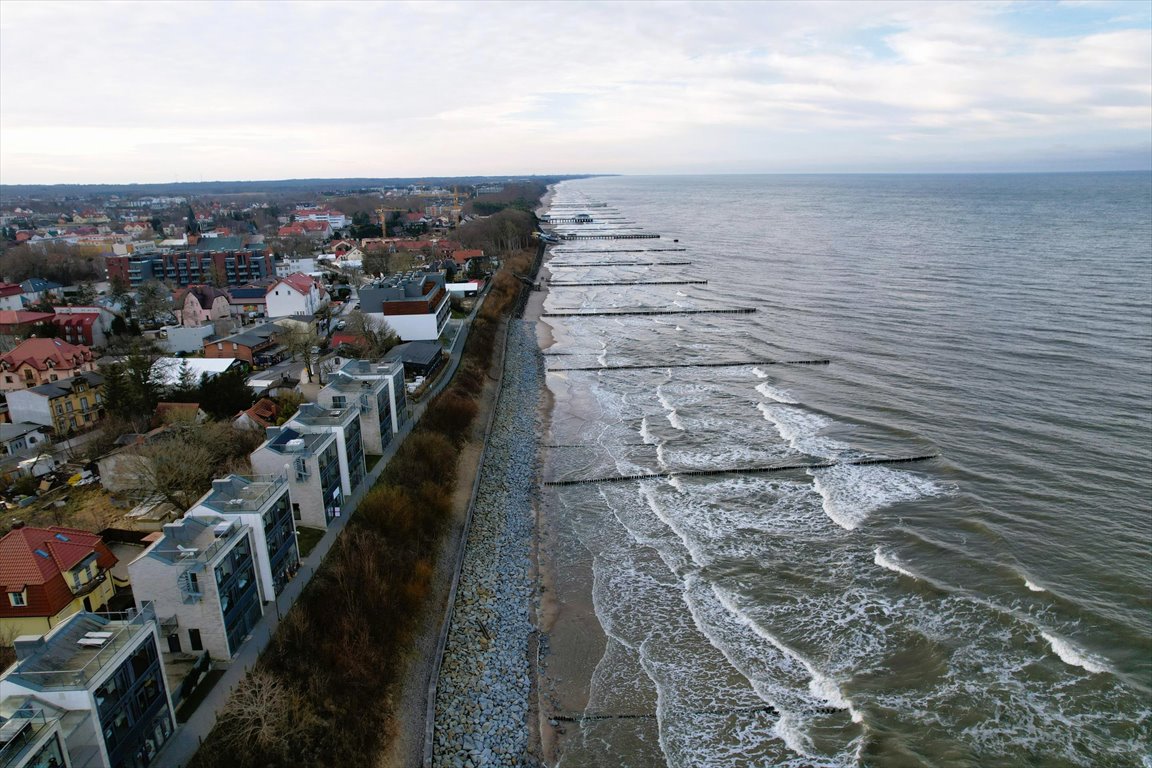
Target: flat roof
column 61, row 660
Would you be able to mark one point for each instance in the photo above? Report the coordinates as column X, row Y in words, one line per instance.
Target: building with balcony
column 192, row 266
column 376, row 389
column 414, row 306
column 311, row 463
column 263, row 504
column 345, row 424
column 48, row 574
column 201, row 572
column 67, row 405
column 89, row 693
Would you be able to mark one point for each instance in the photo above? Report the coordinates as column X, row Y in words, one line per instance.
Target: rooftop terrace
column 75, row 652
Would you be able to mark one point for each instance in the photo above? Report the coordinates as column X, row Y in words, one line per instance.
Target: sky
column 119, row 92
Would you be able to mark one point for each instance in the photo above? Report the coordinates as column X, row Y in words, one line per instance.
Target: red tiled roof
column 23, row 566
column 10, row 289
column 264, row 412
column 298, row 281
column 464, row 254
column 38, row 352
column 20, row 317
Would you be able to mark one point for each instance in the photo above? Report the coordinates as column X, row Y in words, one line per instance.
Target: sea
column 768, row 596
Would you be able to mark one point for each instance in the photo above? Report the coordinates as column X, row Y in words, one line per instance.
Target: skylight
column 42, row 553
column 62, row 537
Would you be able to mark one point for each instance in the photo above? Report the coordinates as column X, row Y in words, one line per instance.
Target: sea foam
column 885, row 561
column 1070, row 654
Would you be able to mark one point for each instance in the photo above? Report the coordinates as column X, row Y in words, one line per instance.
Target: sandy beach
column 570, row 640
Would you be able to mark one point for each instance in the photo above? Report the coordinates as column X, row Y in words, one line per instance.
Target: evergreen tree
column 225, row 395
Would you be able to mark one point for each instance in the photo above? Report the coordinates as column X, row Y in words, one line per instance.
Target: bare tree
column 374, row 336
column 262, row 712
column 300, row 341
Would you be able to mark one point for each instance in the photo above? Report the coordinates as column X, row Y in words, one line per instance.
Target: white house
column 292, row 264
column 295, row 294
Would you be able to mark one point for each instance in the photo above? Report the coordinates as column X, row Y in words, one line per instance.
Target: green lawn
column 308, row 538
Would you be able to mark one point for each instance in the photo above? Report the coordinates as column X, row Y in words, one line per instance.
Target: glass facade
column 281, row 537
column 135, row 719
column 384, row 413
column 330, row 481
column 239, row 595
column 401, row 397
column 354, row 450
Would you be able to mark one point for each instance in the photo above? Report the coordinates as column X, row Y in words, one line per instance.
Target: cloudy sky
column 133, row 91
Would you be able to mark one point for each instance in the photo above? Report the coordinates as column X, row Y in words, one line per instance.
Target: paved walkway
column 188, row 737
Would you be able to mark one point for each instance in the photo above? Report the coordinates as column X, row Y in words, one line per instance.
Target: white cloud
column 138, row 91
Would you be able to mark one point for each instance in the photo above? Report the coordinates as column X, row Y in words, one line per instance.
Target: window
column 17, row 599
column 68, row 406
column 8, row 379
column 52, row 377
column 339, row 401
column 194, row 640
column 59, row 408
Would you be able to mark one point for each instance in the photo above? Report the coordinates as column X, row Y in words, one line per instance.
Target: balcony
column 88, row 586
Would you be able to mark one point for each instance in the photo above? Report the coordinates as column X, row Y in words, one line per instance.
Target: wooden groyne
column 634, row 236
column 630, row 282
column 619, row 250
column 747, row 470
column 727, row 364
column 626, row 313
column 620, row 264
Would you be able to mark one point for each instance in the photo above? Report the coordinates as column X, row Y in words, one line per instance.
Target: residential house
column 317, row 230
column 48, row 574
column 376, row 389
column 87, row 325
column 336, row 219
column 311, row 462
column 416, row 308
column 199, row 305
column 67, row 405
column 264, row 505
column 419, row 358
column 11, row 296
column 256, row 345
column 261, row 415
column 37, row 289
column 195, row 264
column 138, row 229
column 290, row 264
column 40, row 361
column 296, row 294
column 23, row 439
column 201, row 572
column 19, row 324
column 345, row 423
column 93, row 693
column 247, row 301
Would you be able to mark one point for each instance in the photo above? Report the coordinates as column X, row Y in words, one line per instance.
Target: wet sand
column 570, row 639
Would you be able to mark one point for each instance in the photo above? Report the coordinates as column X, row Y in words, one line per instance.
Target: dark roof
column 64, row 386
column 415, row 352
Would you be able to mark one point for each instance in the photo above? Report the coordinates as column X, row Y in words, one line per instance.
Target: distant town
column 198, row 391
